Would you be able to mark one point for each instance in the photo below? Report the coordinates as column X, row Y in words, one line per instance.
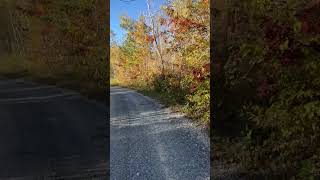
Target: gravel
column 148, row 141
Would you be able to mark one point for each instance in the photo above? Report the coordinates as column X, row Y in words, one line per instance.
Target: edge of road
column 100, row 103
column 202, row 129
column 89, row 91
column 199, row 133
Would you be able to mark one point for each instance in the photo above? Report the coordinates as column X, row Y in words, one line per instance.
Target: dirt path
column 150, row 142
column 51, row 133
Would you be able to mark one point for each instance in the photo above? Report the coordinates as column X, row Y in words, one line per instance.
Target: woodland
column 264, row 75
column 264, row 70
column 166, row 54
column 57, row 42
column 266, row 67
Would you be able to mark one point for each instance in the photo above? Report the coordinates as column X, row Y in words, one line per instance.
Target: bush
column 198, row 103
column 273, row 61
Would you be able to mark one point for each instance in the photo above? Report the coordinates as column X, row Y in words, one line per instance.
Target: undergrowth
column 195, row 104
column 73, row 77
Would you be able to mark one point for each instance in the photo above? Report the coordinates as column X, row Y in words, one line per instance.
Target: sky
column 132, row 8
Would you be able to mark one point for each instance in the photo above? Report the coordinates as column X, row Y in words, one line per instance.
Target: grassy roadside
column 166, row 99
column 13, row 67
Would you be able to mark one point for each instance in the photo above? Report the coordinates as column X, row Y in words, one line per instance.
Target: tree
column 168, row 51
column 272, row 61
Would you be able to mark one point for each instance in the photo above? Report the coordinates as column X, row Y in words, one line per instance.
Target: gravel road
column 149, row 142
column 51, row 133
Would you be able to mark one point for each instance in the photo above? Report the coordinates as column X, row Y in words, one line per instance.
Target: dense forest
column 265, row 66
column 167, row 52
column 266, row 86
column 63, row 42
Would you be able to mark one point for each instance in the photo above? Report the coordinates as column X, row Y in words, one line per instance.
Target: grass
column 13, row 67
column 175, row 99
column 166, row 99
column 72, row 78
column 114, row 82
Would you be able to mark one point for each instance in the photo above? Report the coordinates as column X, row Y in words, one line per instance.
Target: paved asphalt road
column 151, row 143
column 50, row 133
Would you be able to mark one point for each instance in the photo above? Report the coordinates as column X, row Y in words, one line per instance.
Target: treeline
column 266, row 78
column 55, row 40
column 167, row 52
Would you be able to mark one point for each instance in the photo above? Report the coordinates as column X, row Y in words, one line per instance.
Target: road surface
column 51, row 133
column 149, row 142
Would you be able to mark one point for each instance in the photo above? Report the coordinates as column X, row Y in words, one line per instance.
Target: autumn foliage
column 168, row 53
column 58, row 40
column 273, row 60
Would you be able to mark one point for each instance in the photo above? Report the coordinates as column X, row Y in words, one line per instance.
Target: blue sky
column 132, row 9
